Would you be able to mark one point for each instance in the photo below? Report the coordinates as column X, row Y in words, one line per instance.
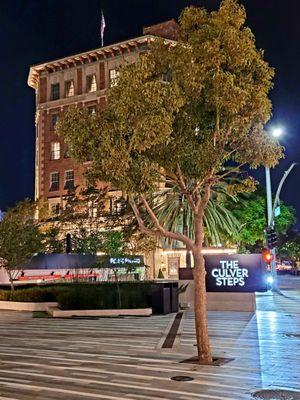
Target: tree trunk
column 203, row 345
column 12, row 287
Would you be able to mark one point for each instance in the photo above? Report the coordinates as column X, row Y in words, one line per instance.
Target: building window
column 55, row 151
column 91, row 109
column 55, row 91
column 53, row 121
column 54, row 181
column 69, row 88
column 113, row 77
column 55, row 208
column 92, row 209
column 91, row 83
column 114, row 206
column 173, row 265
column 69, row 180
column 166, row 76
column 67, row 152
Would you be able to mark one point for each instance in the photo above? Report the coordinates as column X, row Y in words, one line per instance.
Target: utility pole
column 271, row 211
column 271, row 222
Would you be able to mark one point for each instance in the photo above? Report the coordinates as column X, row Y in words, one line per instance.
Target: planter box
column 57, row 313
column 25, row 306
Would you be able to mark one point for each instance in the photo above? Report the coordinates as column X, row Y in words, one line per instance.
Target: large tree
column 192, row 112
column 20, row 238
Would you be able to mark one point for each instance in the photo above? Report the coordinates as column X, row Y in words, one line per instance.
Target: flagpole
column 102, row 27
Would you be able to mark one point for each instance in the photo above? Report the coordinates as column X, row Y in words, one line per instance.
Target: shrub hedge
column 84, row 296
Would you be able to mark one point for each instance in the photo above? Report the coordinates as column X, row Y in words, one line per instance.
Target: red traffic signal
column 267, row 256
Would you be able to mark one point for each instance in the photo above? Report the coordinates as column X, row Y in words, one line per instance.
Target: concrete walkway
column 121, row 358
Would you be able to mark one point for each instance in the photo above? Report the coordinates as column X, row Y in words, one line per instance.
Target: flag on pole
column 102, row 27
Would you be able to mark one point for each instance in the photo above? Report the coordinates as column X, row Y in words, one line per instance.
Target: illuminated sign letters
column 230, row 274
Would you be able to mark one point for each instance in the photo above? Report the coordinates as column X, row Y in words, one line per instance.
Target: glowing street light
column 277, row 131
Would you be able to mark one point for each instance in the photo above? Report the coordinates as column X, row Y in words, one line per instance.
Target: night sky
column 33, row 31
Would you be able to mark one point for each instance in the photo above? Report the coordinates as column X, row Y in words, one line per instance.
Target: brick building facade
column 82, row 80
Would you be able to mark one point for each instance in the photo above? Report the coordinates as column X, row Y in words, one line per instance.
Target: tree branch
column 160, row 230
column 183, row 188
column 218, row 177
column 140, row 221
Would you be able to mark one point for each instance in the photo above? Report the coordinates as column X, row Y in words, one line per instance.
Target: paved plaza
column 122, row 358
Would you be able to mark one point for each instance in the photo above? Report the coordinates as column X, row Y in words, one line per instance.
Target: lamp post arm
column 276, row 201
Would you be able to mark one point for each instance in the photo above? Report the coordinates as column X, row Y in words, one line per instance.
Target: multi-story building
column 83, row 80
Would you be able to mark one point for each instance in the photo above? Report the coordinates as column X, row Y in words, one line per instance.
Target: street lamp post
column 271, row 221
column 276, row 132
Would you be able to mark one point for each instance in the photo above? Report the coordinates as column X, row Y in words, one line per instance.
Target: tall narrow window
column 69, row 88
column 92, row 209
column 53, row 121
column 55, row 91
column 114, row 206
column 113, row 77
column 69, row 180
column 91, row 83
column 166, row 76
column 54, row 181
column 67, row 151
column 55, row 208
column 55, row 151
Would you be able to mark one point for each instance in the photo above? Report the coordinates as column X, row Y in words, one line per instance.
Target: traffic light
column 271, row 238
column 267, row 256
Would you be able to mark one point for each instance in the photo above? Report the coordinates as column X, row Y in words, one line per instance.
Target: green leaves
column 20, row 237
column 250, row 211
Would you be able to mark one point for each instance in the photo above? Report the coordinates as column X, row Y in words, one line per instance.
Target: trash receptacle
column 164, row 297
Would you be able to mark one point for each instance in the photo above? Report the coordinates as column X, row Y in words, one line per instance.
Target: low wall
column 25, row 306
column 219, row 301
column 54, row 311
column 140, row 312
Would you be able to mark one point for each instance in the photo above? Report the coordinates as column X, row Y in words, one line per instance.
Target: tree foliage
column 250, row 211
column 20, row 238
column 192, row 113
column 290, row 250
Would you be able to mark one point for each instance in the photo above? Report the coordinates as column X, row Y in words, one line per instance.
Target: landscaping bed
column 83, row 296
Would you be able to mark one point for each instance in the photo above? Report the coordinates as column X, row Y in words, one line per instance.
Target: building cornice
column 90, row 56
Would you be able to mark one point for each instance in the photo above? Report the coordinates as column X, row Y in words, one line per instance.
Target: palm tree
column 174, row 212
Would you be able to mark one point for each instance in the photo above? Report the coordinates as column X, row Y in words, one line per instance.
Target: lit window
column 91, row 109
column 92, row 209
column 55, row 208
column 55, row 151
column 91, row 83
column 114, row 206
column 54, row 181
column 53, row 121
column 55, row 91
column 69, row 180
column 69, row 88
column 113, row 77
